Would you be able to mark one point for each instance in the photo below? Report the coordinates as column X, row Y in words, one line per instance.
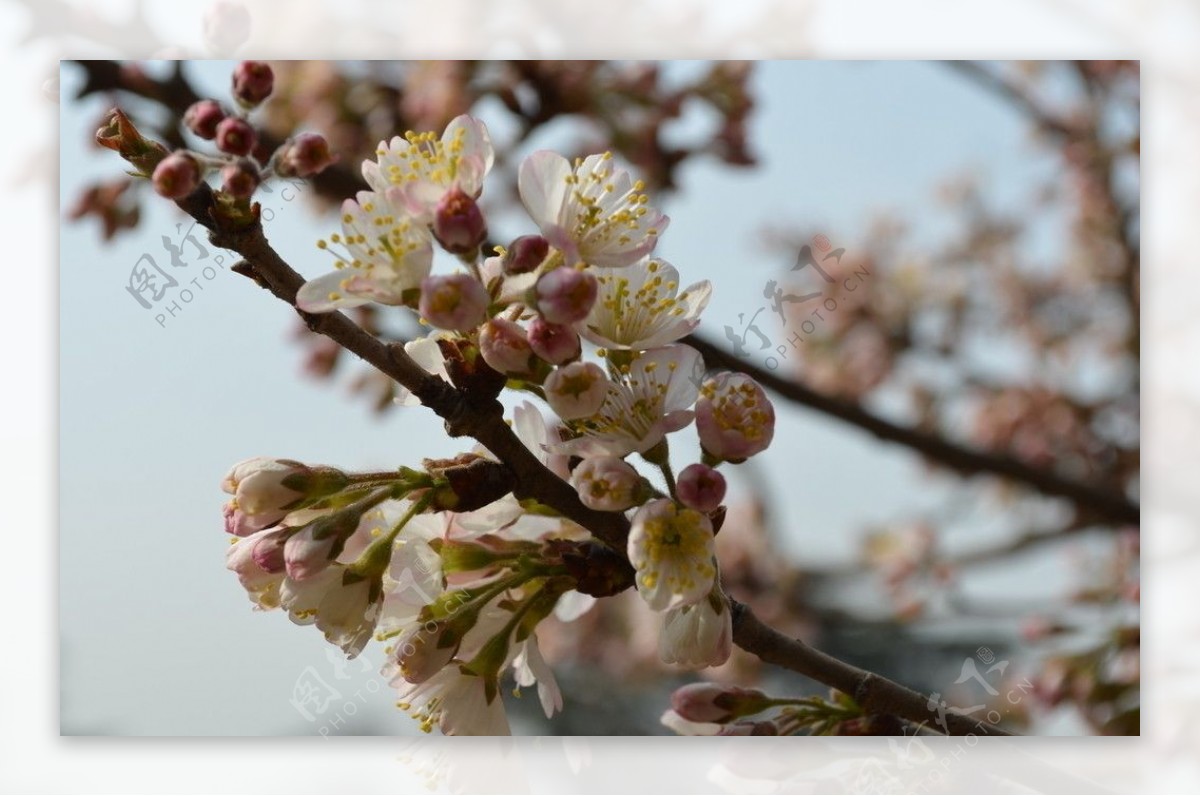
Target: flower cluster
column 584, row 316
column 244, row 159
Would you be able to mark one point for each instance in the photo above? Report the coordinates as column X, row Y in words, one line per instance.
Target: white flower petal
column 542, row 183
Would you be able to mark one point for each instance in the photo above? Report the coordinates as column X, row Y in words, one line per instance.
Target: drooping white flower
column 530, row 667
column 260, row 582
column 347, row 597
column 698, row 635
column 641, row 307
column 594, row 213
column 345, row 612
column 455, row 701
column 650, row 398
column 416, row 171
column 671, row 549
column 414, row 579
column 385, row 254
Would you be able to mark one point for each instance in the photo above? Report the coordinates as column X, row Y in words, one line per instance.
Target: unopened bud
column 236, row 137
column 525, row 254
column 308, row 551
column 176, row 176
column 203, row 117
column 240, row 179
column 303, row 156
column 565, row 295
column 504, row 347
column 701, row 487
column 712, row 703
column 576, row 390
column 120, row 135
column 554, row 342
column 268, row 550
column 458, row 223
column 456, row 302
column 253, row 82
column 264, row 490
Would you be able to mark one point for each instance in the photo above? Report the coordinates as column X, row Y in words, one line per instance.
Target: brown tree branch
column 484, row 421
column 874, row 694
column 1110, row 504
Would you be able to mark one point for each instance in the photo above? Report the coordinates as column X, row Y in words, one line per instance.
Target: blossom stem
column 375, row 559
column 669, row 476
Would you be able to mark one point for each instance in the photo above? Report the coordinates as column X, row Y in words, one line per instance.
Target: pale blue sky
column 158, row 638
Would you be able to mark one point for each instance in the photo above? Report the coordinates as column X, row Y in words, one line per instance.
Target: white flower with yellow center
column 671, row 548
column 454, row 701
column 594, row 212
column 648, row 399
column 382, row 255
column 641, row 307
column 417, row 170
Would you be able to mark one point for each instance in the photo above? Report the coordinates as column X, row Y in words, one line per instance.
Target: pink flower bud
column 240, row 179
column 525, row 254
column 203, row 117
column 734, row 417
column 576, row 390
column 176, row 176
column 504, row 347
column 565, row 295
column 458, row 223
column 253, row 82
column 606, row 483
column 235, row 136
column 303, row 156
column 265, row 490
column 554, row 342
column 715, row 704
column 268, row 550
column 305, row 554
column 457, row 302
column 701, row 487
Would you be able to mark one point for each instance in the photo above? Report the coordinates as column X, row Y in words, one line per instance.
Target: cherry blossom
column 593, row 212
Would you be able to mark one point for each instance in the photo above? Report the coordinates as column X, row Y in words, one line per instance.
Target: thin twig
column 1109, row 504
